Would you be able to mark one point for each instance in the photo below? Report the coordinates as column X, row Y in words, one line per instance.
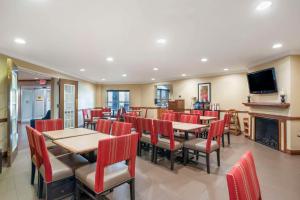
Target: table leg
column 186, row 135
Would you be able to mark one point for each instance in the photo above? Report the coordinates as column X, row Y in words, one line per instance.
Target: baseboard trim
column 293, row 152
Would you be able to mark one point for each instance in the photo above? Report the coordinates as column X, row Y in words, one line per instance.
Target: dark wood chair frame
column 172, row 155
column 228, row 138
column 186, row 154
column 80, row 187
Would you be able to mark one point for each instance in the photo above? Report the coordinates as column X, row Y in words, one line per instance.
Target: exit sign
column 43, row 82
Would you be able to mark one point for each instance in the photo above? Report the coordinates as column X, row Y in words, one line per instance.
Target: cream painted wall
column 86, row 98
column 3, row 101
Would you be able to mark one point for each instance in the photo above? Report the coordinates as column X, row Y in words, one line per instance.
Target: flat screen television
column 262, row 82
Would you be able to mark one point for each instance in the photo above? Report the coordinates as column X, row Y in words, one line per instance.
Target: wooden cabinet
column 176, row 105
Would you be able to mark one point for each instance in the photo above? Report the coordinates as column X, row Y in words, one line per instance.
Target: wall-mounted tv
column 262, row 82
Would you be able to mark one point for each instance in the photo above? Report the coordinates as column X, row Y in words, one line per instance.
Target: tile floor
column 279, row 176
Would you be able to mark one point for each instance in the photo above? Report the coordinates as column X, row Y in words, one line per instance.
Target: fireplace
column 267, row 132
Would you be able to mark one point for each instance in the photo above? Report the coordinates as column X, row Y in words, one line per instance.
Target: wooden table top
column 187, row 126
column 67, row 133
column 207, row 118
column 82, row 144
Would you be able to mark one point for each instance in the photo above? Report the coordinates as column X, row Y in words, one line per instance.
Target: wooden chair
column 109, row 172
column 86, row 118
column 103, row 126
column 187, row 118
column 242, row 180
column 206, row 146
column 168, row 116
column 164, row 139
column 30, row 138
column 227, row 120
column 58, row 172
column 121, row 128
column 132, row 120
column 146, row 132
column 197, row 112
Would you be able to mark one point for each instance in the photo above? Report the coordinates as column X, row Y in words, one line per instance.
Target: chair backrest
column 192, row 119
column 164, row 129
column 132, row 113
column 132, row 120
column 29, row 131
column 103, row 126
column 215, row 131
column 49, row 125
column 242, row 180
column 145, row 125
column 108, row 154
column 42, row 157
column 211, row 113
column 106, row 109
column 168, row 111
column 227, row 119
column 121, row 128
column 96, row 113
column 197, row 112
column 85, row 113
column 168, row 116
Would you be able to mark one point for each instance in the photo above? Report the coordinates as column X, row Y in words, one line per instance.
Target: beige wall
column 3, row 101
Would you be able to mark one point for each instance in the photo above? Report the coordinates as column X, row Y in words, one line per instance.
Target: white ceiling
column 68, row 35
column 28, row 75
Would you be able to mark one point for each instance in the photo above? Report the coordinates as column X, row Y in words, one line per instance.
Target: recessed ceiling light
column 124, row 75
column 161, row 41
column 20, row 41
column 36, row 78
column 82, row 70
column 277, row 46
column 110, row 59
column 152, row 79
column 226, row 69
column 103, row 79
column 204, row 59
column 155, row 69
column 183, row 75
column 263, row 5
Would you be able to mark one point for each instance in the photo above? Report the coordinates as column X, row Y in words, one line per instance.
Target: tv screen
column 262, row 82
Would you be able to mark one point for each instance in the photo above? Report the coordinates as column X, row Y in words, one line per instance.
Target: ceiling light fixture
column 183, row 75
column 226, row 69
column 277, row 46
column 263, row 5
column 155, row 69
column 110, row 59
column 36, row 78
column 124, row 75
column 82, row 70
column 103, row 79
column 161, row 41
column 152, row 79
column 204, row 59
column 20, row 41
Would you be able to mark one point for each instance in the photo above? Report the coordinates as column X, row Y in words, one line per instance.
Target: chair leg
column 32, row 173
column 228, row 137
column 40, row 186
column 172, row 158
column 218, row 157
column 223, row 142
column 132, row 189
column 155, row 155
column 139, row 150
column 77, row 192
column 207, row 163
column 185, row 155
column 197, row 154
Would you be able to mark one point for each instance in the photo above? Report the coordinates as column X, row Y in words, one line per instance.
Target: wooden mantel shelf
column 267, row 104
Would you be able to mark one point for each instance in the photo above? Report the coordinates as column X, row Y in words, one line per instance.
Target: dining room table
column 67, row 133
column 187, row 127
column 207, row 119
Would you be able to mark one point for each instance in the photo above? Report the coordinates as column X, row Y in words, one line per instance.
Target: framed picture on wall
column 204, row 92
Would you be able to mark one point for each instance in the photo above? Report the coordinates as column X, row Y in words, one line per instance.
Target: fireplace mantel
column 268, row 104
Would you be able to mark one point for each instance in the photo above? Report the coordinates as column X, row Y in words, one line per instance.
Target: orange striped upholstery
column 168, row 111
column 132, row 120
column 42, row 157
column 29, row 132
column 145, row 126
column 242, row 180
column 227, row 119
column 164, row 129
column 96, row 113
column 106, row 109
column 103, row 126
column 197, row 112
column 121, row 128
column 49, row 125
column 132, row 113
column 211, row 113
column 108, row 154
column 192, row 119
column 168, row 116
column 215, row 131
